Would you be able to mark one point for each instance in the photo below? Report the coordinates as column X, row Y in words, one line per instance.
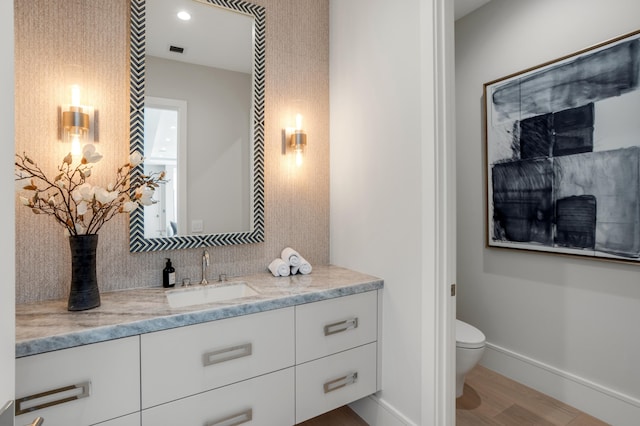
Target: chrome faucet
column 205, row 263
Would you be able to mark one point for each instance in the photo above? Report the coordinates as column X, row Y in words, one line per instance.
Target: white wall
column 383, row 188
column 7, row 246
column 567, row 326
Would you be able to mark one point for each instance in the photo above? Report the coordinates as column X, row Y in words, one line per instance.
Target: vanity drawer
column 108, row 373
column 188, row 360
column 331, row 382
column 130, row 420
column 266, row 400
column 330, row 326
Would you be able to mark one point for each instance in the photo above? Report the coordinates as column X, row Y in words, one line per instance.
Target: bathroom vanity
column 301, row 346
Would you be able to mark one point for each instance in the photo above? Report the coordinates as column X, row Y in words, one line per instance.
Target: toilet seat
column 468, row 337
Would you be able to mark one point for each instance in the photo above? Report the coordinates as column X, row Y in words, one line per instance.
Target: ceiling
column 214, row 37
column 464, row 7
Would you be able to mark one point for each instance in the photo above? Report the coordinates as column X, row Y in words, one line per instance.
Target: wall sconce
column 297, row 139
column 75, row 122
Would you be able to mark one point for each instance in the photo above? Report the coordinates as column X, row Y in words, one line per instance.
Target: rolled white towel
column 291, row 256
column 279, row 268
column 304, row 268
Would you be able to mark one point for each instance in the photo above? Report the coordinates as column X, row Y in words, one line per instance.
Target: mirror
column 197, row 112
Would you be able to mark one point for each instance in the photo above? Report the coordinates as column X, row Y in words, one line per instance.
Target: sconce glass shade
column 299, row 140
column 75, row 123
column 75, row 127
column 298, row 143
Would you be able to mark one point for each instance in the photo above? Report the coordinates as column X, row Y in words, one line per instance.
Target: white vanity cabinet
column 185, row 361
column 277, row 367
column 336, row 353
column 81, row 386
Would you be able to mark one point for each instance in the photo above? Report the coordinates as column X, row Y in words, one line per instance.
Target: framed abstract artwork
column 562, row 152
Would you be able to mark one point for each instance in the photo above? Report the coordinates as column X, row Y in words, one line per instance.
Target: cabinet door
column 130, row 420
column 331, row 382
column 188, row 360
column 263, row 401
column 80, row 386
column 330, row 326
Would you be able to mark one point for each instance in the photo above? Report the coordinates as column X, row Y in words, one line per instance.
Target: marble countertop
column 48, row 326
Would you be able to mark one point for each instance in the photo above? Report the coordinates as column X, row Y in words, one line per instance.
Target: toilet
column 469, row 348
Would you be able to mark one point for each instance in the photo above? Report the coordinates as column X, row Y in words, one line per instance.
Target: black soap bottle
column 168, row 275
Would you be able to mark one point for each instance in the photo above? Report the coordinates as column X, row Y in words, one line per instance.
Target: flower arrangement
column 82, row 208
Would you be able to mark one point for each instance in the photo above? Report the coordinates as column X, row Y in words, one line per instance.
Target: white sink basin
column 210, row 293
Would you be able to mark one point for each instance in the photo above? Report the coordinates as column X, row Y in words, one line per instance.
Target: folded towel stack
column 289, row 263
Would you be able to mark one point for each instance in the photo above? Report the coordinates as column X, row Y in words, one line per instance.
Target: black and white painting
column 563, row 154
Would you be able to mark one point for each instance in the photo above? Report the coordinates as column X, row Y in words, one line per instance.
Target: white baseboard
column 377, row 412
column 599, row 401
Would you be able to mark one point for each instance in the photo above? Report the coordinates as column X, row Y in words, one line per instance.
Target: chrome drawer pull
column 339, row 327
column 234, row 419
column 226, row 354
column 42, row 400
column 336, row 384
column 37, row 422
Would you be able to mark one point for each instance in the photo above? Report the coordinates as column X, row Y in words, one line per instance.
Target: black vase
column 84, row 293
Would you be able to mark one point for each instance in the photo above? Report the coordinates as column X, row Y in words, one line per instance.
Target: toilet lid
column 467, row 336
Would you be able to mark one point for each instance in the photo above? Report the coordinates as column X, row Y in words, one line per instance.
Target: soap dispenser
column 168, row 275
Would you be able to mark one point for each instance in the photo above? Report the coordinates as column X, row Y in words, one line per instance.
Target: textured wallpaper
column 56, row 38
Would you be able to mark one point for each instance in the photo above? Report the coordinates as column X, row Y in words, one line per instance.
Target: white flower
column 129, row 206
column 135, row 159
column 104, row 196
column 144, row 195
column 90, row 154
column 82, row 208
column 25, row 201
column 83, row 192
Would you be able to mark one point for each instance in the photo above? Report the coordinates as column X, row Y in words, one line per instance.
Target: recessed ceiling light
column 184, row 15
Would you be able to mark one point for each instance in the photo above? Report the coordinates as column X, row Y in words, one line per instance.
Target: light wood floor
column 489, row 399
column 492, row 399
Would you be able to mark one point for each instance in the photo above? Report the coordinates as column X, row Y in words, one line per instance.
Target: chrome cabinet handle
column 42, row 400
column 226, row 354
column 339, row 327
column 336, row 384
column 234, row 419
column 37, row 422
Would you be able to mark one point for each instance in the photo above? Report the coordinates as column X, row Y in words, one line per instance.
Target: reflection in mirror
column 164, row 132
column 213, row 155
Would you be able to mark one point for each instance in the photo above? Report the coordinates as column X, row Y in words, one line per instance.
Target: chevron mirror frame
column 137, row 240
